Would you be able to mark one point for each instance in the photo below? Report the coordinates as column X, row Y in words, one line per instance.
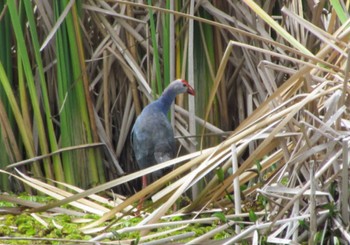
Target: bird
column 152, row 135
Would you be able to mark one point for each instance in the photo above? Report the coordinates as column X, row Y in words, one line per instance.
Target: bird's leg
column 144, row 181
column 144, row 184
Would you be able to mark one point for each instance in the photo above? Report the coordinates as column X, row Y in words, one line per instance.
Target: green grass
column 26, row 226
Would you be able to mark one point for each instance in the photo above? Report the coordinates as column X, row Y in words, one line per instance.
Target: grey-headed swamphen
column 152, row 136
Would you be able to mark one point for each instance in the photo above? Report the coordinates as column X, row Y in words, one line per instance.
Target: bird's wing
column 141, row 147
column 165, row 146
column 164, row 152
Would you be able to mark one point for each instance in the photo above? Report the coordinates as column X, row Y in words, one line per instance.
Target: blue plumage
column 152, row 135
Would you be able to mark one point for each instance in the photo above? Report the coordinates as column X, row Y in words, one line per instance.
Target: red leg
column 144, row 181
column 144, row 184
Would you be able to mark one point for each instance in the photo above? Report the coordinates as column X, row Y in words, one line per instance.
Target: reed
column 270, row 119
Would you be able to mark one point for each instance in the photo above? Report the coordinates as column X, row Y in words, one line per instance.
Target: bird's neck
column 166, row 99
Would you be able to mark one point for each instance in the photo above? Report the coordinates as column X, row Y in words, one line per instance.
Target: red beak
column 190, row 90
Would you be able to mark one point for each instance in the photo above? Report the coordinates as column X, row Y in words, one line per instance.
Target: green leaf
column 258, row 166
column 303, row 224
column 331, row 208
column 137, row 241
column 230, row 197
column 243, row 187
column 252, row 216
column 333, row 189
column 220, row 173
column 155, row 48
column 341, row 13
column 221, row 216
column 24, row 60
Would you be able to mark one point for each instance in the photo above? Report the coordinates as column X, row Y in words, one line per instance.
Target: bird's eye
column 184, row 85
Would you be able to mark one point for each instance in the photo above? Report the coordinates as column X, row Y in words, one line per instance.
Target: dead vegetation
column 282, row 80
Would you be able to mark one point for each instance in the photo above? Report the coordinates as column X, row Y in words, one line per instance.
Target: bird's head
column 182, row 86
